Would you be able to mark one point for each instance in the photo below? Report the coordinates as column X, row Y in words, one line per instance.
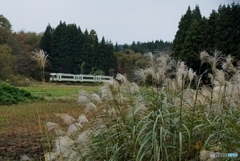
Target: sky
column 121, row 21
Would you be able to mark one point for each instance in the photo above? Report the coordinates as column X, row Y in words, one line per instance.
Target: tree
column 183, row 27
column 5, row 23
column 209, row 37
column 59, row 46
column 191, row 46
column 46, row 40
column 7, row 62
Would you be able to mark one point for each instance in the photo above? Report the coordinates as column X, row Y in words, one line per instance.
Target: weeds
column 165, row 120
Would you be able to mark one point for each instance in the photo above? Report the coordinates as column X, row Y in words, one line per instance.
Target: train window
column 53, row 76
column 88, row 78
column 68, row 77
column 105, row 78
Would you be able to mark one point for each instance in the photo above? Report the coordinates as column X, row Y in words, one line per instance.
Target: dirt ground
column 13, row 146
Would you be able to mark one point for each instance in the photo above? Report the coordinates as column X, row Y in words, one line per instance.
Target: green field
column 23, row 124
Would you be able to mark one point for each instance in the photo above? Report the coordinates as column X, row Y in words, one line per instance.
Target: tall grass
column 165, row 119
column 41, row 59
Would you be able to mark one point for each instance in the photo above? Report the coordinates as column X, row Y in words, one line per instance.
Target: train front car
column 53, row 77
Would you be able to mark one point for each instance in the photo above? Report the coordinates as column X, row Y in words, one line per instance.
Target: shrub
column 166, row 120
column 12, row 95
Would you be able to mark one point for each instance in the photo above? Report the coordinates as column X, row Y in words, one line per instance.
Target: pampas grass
column 41, row 58
column 165, row 119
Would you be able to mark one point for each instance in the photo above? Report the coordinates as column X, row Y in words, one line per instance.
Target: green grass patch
column 12, row 95
column 53, row 90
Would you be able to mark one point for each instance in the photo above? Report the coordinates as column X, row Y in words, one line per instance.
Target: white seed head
column 50, row 156
column 95, row 98
column 122, row 78
column 66, row 118
column 63, row 145
column 90, row 107
column 83, row 100
column 41, row 58
column 82, row 119
column 74, row 128
column 52, row 126
column 203, row 57
column 191, row 74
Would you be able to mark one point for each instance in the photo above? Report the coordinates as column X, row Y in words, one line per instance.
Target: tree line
column 15, row 53
column 73, row 51
column 69, row 51
column 145, row 47
column 221, row 31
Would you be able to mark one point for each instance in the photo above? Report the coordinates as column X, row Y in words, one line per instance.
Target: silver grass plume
column 108, row 89
column 95, row 98
column 227, row 65
column 203, row 57
column 50, row 156
column 82, row 119
column 90, row 107
column 134, row 89
column 63, row 145
column 25, row 157
column 141, row 76
column 74, row 128
column 55, row 127
column 215, row 60
column 40, row 57
column 220, row 77
column 149, row 56
column 181, row 74
column 191, row 74
column 66, row 118
column 122, row 78
column 83, row 98
column 83, row 138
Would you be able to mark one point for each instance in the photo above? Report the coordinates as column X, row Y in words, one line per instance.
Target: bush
column 12, row 95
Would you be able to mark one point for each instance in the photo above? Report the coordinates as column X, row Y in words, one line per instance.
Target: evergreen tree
column 45, row 43
column 227, row 30
column 116, row 47
column 58, row 48
column 5, row 23
column 191, row 46
column 209, row 38
column 72, row 51
column 181, row 34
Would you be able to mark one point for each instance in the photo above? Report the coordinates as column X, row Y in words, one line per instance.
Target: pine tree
column 58, row 48
column 116, row 47
column 46, row 40
column 179, row 39
column 191, row 46
column 209, row 38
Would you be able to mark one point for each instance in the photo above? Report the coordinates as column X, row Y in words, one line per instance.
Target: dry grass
column 22, row 126
column 24, row 117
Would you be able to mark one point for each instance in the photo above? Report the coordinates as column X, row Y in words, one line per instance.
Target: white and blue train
column 63, row 77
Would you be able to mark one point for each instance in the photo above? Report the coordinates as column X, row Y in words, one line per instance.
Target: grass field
column 22, row 125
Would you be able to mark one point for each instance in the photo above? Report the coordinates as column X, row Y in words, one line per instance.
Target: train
column 64, row 77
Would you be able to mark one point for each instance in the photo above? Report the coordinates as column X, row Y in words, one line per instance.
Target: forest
column 71, row 50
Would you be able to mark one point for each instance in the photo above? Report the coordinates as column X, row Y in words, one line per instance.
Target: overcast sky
column 122, row 21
